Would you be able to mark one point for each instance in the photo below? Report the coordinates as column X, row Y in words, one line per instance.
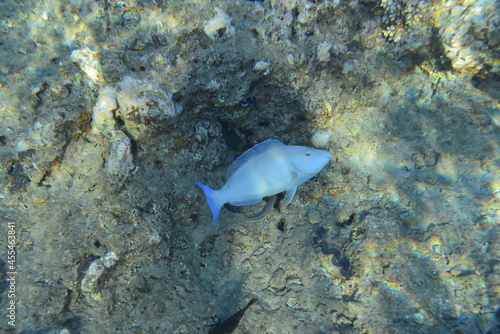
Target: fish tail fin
column 213, row 203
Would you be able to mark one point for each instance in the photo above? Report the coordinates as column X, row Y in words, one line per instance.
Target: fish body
column 229, row 325
column 266, row 169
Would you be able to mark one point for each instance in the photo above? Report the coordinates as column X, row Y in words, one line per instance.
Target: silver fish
column 266, row 169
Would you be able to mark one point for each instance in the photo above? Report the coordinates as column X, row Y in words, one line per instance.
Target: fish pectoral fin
column 290, row 194
column 247, row 202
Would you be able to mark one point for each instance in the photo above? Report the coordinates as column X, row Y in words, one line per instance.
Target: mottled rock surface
column 111, row 110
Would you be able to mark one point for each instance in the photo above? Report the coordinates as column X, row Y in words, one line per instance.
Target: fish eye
column 308, row 153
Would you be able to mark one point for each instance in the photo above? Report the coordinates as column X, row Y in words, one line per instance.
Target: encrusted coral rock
column 323, row 50
column 470, row 35
column 103, row 121
column 96, row 269
column 88, row 61
column 321, row 138
column 219, row 27
column 145, row 98
column 120, row 160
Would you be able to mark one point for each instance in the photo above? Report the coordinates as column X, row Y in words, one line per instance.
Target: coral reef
column 111, row 109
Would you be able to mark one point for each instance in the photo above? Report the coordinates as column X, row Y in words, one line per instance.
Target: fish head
column 308, row 161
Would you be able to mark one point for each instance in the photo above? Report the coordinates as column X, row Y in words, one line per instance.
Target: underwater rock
column 341, row 319
column 314, row 216
column 52, row 297
column 140, row 283
column 120, row 161
column 293, row 303
column 262, row 66
column 402, row 22
column 18, row 179
column 219, row 27
column 145, row 98
column 139, row 41
column 308, row 14
column 103, row 121
column 470, row 35
column 277, row 283
column 91, row 280
column 132, row 102
column 321, row 138
column 323, row 51
column 88, row 61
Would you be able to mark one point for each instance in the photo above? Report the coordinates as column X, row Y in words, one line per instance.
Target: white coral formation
column 146, row 98
column 134, row 100
column 323, row 51
column 321, row 138
column 96, row 269
column 262, row 66
column 132, row 94
column 219, row 26
column 88, row 61
column 401, row 18
column 103, row 121
column 469, row 31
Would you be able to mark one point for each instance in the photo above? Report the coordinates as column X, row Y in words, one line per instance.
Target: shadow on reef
column 443, row 171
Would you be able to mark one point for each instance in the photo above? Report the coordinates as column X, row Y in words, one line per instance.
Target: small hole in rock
column 281, row 225
column 220, row 32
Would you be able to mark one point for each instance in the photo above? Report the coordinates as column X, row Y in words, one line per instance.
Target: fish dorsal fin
column 252, row 153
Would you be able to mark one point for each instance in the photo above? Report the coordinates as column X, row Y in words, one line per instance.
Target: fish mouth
column 326, row 160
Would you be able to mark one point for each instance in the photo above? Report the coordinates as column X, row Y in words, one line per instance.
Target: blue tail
column 212, row 203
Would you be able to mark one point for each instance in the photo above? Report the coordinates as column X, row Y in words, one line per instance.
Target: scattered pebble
column 321, row 138
column 323, row 51
column 262, row 66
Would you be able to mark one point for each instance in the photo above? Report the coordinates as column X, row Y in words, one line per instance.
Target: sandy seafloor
column 110, row 110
